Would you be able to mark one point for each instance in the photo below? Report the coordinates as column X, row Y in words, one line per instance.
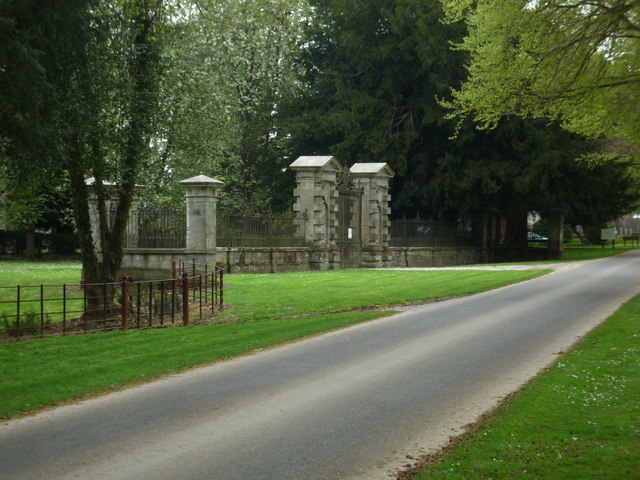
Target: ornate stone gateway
column 349, row 228
column 342, row 213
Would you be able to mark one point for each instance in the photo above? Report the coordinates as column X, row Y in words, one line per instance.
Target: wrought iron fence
column 60, row 310
column 157, row 227
column 428, row 233
column 258, row 231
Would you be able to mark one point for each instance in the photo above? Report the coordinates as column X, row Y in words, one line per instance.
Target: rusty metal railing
column 31, row 311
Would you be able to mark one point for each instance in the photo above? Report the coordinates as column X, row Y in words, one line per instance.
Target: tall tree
column 37, row 41
column 230, row 70
column 374, row 70
column 573, row 60
column 93, row 106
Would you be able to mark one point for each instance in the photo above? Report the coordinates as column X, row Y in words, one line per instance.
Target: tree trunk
column 30, row 247
column 580, row 233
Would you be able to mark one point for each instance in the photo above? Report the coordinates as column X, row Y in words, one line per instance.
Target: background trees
column 374, row 71
column 230, row 69
column 153, row 91
column 577, row 61
column 91, row 109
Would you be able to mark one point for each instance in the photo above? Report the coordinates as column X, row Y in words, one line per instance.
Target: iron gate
column 349, row 233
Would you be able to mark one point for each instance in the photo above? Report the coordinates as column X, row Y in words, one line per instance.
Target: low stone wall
column 263, row 260
column 150, row 263
column 157, row 263
column 146, row 264
column 399, row 257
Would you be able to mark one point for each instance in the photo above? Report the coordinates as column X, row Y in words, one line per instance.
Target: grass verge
column 270, row 296
column 574, row 251
column 40, row 373
column 50, row 371
column 578, row 420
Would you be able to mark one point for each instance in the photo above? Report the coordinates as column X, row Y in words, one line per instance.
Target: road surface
column 351, row 404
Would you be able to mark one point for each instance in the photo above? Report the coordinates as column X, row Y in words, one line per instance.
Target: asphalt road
column 350, row 404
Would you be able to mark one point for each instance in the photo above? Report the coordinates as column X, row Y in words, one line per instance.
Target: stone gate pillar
column 201, row 199
column 316, row 207
column 374, row 178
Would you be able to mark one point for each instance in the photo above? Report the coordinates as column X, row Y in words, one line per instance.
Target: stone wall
column 147, row 264
column 263, row 260
column 403, row 257
column 317, row 210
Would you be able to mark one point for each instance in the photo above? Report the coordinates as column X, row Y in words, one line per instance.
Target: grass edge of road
column 577, row 419
column 41, row 373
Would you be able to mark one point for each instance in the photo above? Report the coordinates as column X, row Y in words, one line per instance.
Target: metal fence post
column 41, row 310
column 185, row 299
column 221, row 286
column 18, row 332
column 125, row 303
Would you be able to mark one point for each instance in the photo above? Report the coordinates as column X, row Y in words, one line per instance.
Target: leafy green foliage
column 373, row 70
column 95, row 66
column 230, row 67
column 576, row 61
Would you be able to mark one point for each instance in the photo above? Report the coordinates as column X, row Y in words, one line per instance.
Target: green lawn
column 580, row 420
column 40, row 373
column 30, row 275
column 268, row 296
column 17, row 272
column 574, row 251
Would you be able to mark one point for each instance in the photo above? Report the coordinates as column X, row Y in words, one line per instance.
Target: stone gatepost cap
column 315, row 162
column 371, row 169
column 201, row 180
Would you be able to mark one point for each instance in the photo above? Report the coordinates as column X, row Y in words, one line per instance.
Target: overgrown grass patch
column 40, row 373
column 579, row 420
